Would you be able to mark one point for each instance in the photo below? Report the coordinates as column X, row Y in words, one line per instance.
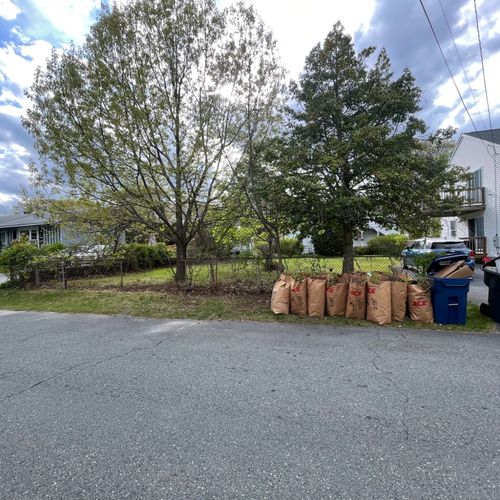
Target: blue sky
column 30, row 29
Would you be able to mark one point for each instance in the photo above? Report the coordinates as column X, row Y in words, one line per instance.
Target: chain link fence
column 237, row 273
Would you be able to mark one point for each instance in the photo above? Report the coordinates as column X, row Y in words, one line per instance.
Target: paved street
column 117, row 407
column 478, row 291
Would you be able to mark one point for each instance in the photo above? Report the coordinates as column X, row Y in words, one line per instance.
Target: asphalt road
column 478, row 291
column 117, row 407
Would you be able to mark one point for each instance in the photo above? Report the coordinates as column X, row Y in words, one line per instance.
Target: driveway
column 117, row 407
column 478, row 291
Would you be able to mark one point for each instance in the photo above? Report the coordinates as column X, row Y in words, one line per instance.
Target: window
column 480, row 226
column 476, row 227
column 448, row 245
column 453, row 228
column 476, row 179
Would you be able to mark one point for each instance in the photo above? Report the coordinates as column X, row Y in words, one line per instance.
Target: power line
column 482, row 67
column 497, row 242
column 476, row 104
column 447, row 65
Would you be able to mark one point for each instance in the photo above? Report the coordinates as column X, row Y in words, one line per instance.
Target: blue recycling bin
column 449, row 300
column 449, row 295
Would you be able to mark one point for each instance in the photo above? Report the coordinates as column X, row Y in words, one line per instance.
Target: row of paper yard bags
column 376, row 297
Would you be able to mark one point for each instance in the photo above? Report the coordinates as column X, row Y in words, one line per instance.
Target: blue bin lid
column 439, row 262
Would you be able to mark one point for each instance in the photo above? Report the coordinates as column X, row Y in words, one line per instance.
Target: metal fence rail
column 252, row 274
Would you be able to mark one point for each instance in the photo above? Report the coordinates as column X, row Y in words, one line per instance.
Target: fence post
column 63, row 275
column 121, row 274
column 37, row 278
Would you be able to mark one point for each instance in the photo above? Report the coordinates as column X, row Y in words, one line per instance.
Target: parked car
column 438, row 246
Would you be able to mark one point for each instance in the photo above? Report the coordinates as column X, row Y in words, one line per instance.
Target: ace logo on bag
column 298, row 297
column 419, row 304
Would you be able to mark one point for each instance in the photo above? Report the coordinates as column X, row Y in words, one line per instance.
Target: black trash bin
column 492, row 281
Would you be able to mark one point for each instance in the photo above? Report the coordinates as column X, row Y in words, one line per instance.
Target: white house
column 478, row 223
column 361, row 238
column 38, row 230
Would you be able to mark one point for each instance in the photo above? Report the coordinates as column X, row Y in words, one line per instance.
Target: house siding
column 473, row 154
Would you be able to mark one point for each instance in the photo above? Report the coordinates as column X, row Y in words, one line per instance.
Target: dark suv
column 439, row 247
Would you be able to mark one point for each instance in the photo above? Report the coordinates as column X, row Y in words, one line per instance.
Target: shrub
column 52, row 248
column 362, row 251
column 137, row 256
column 391, row 244
column 17, row 260
column 328, row 242
column 290, row 247
column 262, row 249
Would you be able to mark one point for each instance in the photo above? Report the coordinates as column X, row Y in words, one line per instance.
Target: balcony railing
column 478, row 244
column 472, row 199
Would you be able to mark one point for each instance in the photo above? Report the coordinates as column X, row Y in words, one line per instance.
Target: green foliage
column 422, row 261
column 53, row 248
column 433, row 230
column 327, row 242
column 290, row 247
column 139, row 118
column 391, row 244
column 354, row 154
column 137, row 256
column 17, row 260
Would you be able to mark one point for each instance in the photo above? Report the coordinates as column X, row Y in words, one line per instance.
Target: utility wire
column 476, row 104
column 447, row 65
column 497, row 242
column 482, row 67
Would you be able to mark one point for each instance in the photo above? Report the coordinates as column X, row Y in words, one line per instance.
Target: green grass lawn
column 190, row 306
column 234, row 271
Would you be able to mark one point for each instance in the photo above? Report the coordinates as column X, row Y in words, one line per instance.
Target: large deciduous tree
column 355, row 155
column 149, row 115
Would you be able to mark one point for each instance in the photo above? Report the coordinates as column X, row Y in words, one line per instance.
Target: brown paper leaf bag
column 316, row 296
column 336, row 298
column 419, row 304
column 298, row 297
column 280, row 298
column 356, row 300
column 378, row 303
column 399, row 298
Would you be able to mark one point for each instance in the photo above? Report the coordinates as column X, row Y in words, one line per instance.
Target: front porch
column 478, row 244
column 38, row 235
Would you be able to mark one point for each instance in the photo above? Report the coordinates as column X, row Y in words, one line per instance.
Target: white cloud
column 9, row 10
column 448, row 96
column 8, row 198
column 17, row 32
column 299, row 25
column 18, row 67
column 71, row 18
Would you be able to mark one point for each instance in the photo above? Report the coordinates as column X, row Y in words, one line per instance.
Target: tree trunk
column 269, row 255
column 180, row 270
column 348, row 265
column 278, row 251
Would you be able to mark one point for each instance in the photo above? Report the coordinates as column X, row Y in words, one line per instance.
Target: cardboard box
column 447, row 270
column 462, row 272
